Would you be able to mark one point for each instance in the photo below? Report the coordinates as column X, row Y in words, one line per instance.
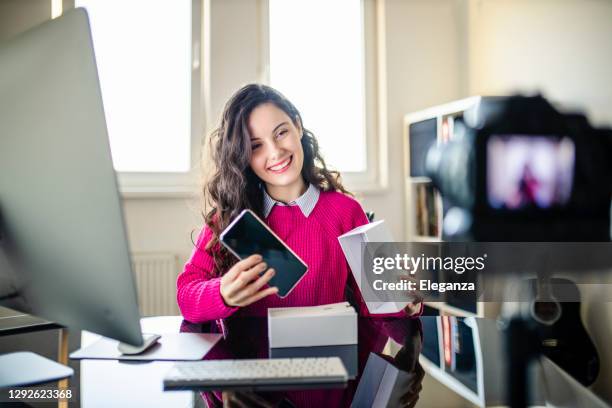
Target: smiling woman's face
column 277, row 155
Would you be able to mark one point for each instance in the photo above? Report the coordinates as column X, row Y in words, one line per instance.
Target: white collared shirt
column 306, row 201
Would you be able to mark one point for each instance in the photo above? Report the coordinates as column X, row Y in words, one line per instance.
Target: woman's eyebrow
column 274, row 131
column 279, row 125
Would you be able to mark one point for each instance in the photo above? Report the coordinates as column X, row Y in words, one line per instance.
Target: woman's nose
column 275, row 150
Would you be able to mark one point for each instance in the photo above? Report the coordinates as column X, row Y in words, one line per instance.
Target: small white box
column 351, row 246
column 325, row 325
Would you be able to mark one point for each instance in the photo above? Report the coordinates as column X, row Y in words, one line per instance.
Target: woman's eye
column 255, row 146
column 282, row 133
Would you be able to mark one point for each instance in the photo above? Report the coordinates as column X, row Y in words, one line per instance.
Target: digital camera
column 519, row 170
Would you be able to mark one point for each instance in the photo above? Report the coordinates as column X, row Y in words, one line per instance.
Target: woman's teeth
column 282, row 165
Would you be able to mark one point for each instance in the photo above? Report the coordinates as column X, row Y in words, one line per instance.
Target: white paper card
column 351, row 246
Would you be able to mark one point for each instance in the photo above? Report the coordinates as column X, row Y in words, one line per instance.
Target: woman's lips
column 282, row 166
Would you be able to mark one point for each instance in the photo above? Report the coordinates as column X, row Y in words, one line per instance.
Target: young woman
column 268, row 162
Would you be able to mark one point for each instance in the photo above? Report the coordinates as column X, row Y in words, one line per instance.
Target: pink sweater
column 313, row 238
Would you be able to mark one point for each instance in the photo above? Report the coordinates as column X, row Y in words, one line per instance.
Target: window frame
column 375, row 178
column 186, row 184
column 180, row 184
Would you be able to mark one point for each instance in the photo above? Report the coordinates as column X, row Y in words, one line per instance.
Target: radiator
column 156, row 274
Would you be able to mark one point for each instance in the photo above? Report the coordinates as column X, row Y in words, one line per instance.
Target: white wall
column 562, row 48
column 422, row 69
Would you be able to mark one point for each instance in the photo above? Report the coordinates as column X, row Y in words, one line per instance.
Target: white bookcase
column 484, row 383
column 424, row 209
column 424, row 204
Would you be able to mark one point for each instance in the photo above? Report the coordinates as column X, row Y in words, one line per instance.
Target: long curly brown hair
column 233, row 186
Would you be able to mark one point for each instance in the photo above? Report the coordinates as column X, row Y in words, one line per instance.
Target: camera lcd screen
column 248, row 235
column 529, row 171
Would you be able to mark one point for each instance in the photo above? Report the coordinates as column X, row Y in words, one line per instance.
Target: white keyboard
column 260, row 374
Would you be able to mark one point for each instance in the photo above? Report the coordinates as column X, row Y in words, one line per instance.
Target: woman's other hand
column 242, row 284
column 412, row 309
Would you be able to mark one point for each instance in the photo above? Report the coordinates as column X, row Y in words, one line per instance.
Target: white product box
column 325, row 325
column 351, row 246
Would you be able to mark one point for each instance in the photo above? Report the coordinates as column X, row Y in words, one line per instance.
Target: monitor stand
column 148, row 341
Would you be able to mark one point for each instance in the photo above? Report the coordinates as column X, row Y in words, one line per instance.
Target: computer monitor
column 62, row 224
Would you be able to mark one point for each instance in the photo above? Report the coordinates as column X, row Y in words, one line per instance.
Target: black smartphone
column 248, row 235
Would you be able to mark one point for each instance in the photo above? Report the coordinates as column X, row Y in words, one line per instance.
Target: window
column 319, row 60
column 143, row 54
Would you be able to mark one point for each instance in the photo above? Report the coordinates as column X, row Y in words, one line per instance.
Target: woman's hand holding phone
column 242, row 284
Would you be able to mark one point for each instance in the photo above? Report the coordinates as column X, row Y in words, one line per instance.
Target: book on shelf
column 421, row 210
column 447, row 129
column 426, row 214
column 432, row 221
